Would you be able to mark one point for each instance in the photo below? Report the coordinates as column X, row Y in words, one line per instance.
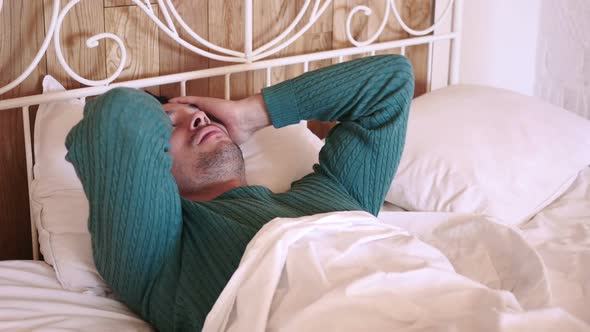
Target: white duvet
column 348, row 271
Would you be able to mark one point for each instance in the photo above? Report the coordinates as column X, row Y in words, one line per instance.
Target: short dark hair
column 162, row 99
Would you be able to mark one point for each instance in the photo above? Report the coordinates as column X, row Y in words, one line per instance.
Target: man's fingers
column 168, row 107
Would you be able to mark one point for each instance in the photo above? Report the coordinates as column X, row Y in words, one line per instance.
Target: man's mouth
column 205, row 133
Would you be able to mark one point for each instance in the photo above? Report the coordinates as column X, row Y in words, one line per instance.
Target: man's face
column 202, row 150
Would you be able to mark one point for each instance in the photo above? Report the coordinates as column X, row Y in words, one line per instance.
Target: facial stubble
column 224, row 162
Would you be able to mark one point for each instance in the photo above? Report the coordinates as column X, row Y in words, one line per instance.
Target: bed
column 488, row 214
column 34, row 300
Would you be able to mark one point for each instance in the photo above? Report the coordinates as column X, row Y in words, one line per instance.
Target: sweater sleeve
column 371, row 99
column 119, row 151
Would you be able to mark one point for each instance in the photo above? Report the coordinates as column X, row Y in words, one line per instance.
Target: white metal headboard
column 247, row 60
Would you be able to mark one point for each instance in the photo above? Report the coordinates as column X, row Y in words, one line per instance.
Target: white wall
column 563, row 55
column 535, row 47
column 500, row 43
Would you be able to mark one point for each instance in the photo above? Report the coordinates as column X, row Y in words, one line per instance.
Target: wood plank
column 270, row 18
column 317, row 38
column 140, row 36
column 175, row 58
column 416, row 13
column 226, row 20
column 360, row 22
column 363, row 26
column 82, row 22
column 15, row 234
column 419, row 14
column 19, row 30
column 118, row 3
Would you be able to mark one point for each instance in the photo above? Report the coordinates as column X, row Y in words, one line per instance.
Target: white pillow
column 273, row 158
column 488, row 151
column 276, row 157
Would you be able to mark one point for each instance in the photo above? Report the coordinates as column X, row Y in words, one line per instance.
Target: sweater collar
column 245, row 191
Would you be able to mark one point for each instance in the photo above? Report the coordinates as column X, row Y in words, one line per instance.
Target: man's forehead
column 173, row 108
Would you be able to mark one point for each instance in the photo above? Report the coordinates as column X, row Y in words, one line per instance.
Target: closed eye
column 214, row 119
column 171, row 116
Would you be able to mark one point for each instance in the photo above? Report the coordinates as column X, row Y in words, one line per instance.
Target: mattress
column 31, row 298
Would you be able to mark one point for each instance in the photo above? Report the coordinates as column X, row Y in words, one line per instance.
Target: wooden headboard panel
column 23, row 25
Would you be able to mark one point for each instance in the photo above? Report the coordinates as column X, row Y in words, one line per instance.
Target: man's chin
column 224, row 158
column 214, row 143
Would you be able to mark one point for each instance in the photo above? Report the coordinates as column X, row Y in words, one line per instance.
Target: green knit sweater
column 169, row 258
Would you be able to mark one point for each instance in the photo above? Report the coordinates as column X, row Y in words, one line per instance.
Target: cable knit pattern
column 169, row 258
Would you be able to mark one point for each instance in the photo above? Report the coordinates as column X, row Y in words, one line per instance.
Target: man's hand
column 242, row 118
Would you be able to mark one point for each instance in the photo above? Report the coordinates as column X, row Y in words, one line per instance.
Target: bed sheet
column 559, row 234
column 345, row 271
column 31, row 299
column 389, row 207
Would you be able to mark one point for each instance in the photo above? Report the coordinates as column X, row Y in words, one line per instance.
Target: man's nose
column 199, row 119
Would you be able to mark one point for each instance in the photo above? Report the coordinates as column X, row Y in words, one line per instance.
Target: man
column 170, row 210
